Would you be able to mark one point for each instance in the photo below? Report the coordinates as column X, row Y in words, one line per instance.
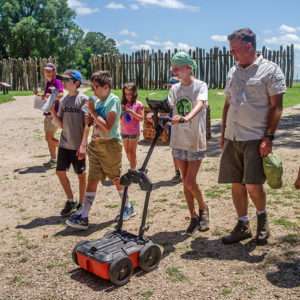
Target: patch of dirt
column 36, row 245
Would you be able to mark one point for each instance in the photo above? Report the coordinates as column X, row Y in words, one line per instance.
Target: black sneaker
column 69, row 208
column 204, row 218
column 193, row 227
column 176, row 178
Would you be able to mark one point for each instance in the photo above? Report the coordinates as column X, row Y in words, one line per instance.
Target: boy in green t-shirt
column 105, row 149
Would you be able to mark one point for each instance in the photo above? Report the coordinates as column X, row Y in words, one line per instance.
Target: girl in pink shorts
column 132, row 115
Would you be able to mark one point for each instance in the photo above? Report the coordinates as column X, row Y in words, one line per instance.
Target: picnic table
column 5, row 86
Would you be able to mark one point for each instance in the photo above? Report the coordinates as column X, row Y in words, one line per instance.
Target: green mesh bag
column 273, row 170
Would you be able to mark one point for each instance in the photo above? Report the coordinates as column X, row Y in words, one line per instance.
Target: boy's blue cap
column 70, row 74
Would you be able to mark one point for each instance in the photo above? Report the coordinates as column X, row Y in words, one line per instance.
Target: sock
column 177, row 172
column 244, row 219
column 54, row 159
column 88, row 202
column 71, row 199
column 127, row 203
column 198, row 195
column 259, row 212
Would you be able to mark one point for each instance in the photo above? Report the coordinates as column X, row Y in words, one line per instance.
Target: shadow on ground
column 68, row 231
column 287, row 135
column 205, row 248
column 287, row 275
column 168, row 240
column 96, row 283
column 161, row 183
column 34, row 169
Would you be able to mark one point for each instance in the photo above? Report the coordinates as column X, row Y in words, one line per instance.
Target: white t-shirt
column 189, row 136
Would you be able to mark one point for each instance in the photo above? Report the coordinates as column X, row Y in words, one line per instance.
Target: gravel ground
column 36, row 244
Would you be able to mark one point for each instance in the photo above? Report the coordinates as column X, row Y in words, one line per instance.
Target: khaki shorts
column 48, row 125
column 105, row 159
column 241, row 163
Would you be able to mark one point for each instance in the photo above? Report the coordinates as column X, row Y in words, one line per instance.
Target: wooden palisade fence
column 150, row 70
column 24, row 74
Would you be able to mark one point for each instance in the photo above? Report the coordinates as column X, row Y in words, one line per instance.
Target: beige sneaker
column 204, row 219
column 50, row 164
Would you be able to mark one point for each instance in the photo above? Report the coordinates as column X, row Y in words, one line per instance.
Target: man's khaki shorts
column 48, row 125
column 105, row 159
column 241, row 163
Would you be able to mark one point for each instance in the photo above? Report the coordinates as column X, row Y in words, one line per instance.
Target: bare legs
column 52, row 143
column 189, row 171
column 65, row 182
column 130, row 149
column 240, row 197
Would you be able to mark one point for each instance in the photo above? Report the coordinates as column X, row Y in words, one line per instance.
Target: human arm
column 105, row 125
column 81, row 152
column 224, row 117
column 272, row 124
column 59, row 96
column 56, row 118
column 297, row 182
column 139, row 115
column 196, row 109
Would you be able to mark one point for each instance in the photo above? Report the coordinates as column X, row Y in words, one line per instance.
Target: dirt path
column 36, row 245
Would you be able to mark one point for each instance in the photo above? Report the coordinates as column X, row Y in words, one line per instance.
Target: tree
column 39, row 28
column 94, row 43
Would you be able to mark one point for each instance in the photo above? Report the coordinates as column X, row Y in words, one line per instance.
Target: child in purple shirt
column 49, row 127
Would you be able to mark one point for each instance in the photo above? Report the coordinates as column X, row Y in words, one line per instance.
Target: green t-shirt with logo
column 102, row 108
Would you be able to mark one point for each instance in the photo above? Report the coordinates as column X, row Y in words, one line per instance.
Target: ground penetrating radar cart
column 118, row 252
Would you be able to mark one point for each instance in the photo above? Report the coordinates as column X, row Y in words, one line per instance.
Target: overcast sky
column 168, row 24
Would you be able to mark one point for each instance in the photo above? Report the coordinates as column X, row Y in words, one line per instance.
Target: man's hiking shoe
column 78, row 222
column 176, row 178
column 240, row 232
column 204, row 218
column 69, row 208
column 128, row 213
column 263, row 231
column 50, row 164
column 79, row 209
column 193, row 227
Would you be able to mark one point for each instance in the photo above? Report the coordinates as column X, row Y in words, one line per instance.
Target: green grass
column 147, row 294
column 292, row 238
column 216, row 102
column 10, row 96
column 176, row 275
column 226, row 292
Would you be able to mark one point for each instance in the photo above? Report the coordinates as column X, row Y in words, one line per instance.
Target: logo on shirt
column 183, row 107
column 72, row 109
column 101, row 112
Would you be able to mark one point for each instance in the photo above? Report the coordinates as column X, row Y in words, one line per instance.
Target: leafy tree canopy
column 94, row 43
column 45, row 28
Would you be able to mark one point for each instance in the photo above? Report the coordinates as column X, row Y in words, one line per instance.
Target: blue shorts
column 187, row 155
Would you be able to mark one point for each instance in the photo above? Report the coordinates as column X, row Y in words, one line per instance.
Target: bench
column 4, row 87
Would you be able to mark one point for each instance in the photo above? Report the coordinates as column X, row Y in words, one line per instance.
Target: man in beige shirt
column 251, row 114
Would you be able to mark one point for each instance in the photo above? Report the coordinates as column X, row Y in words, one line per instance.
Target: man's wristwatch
column 269, row 136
